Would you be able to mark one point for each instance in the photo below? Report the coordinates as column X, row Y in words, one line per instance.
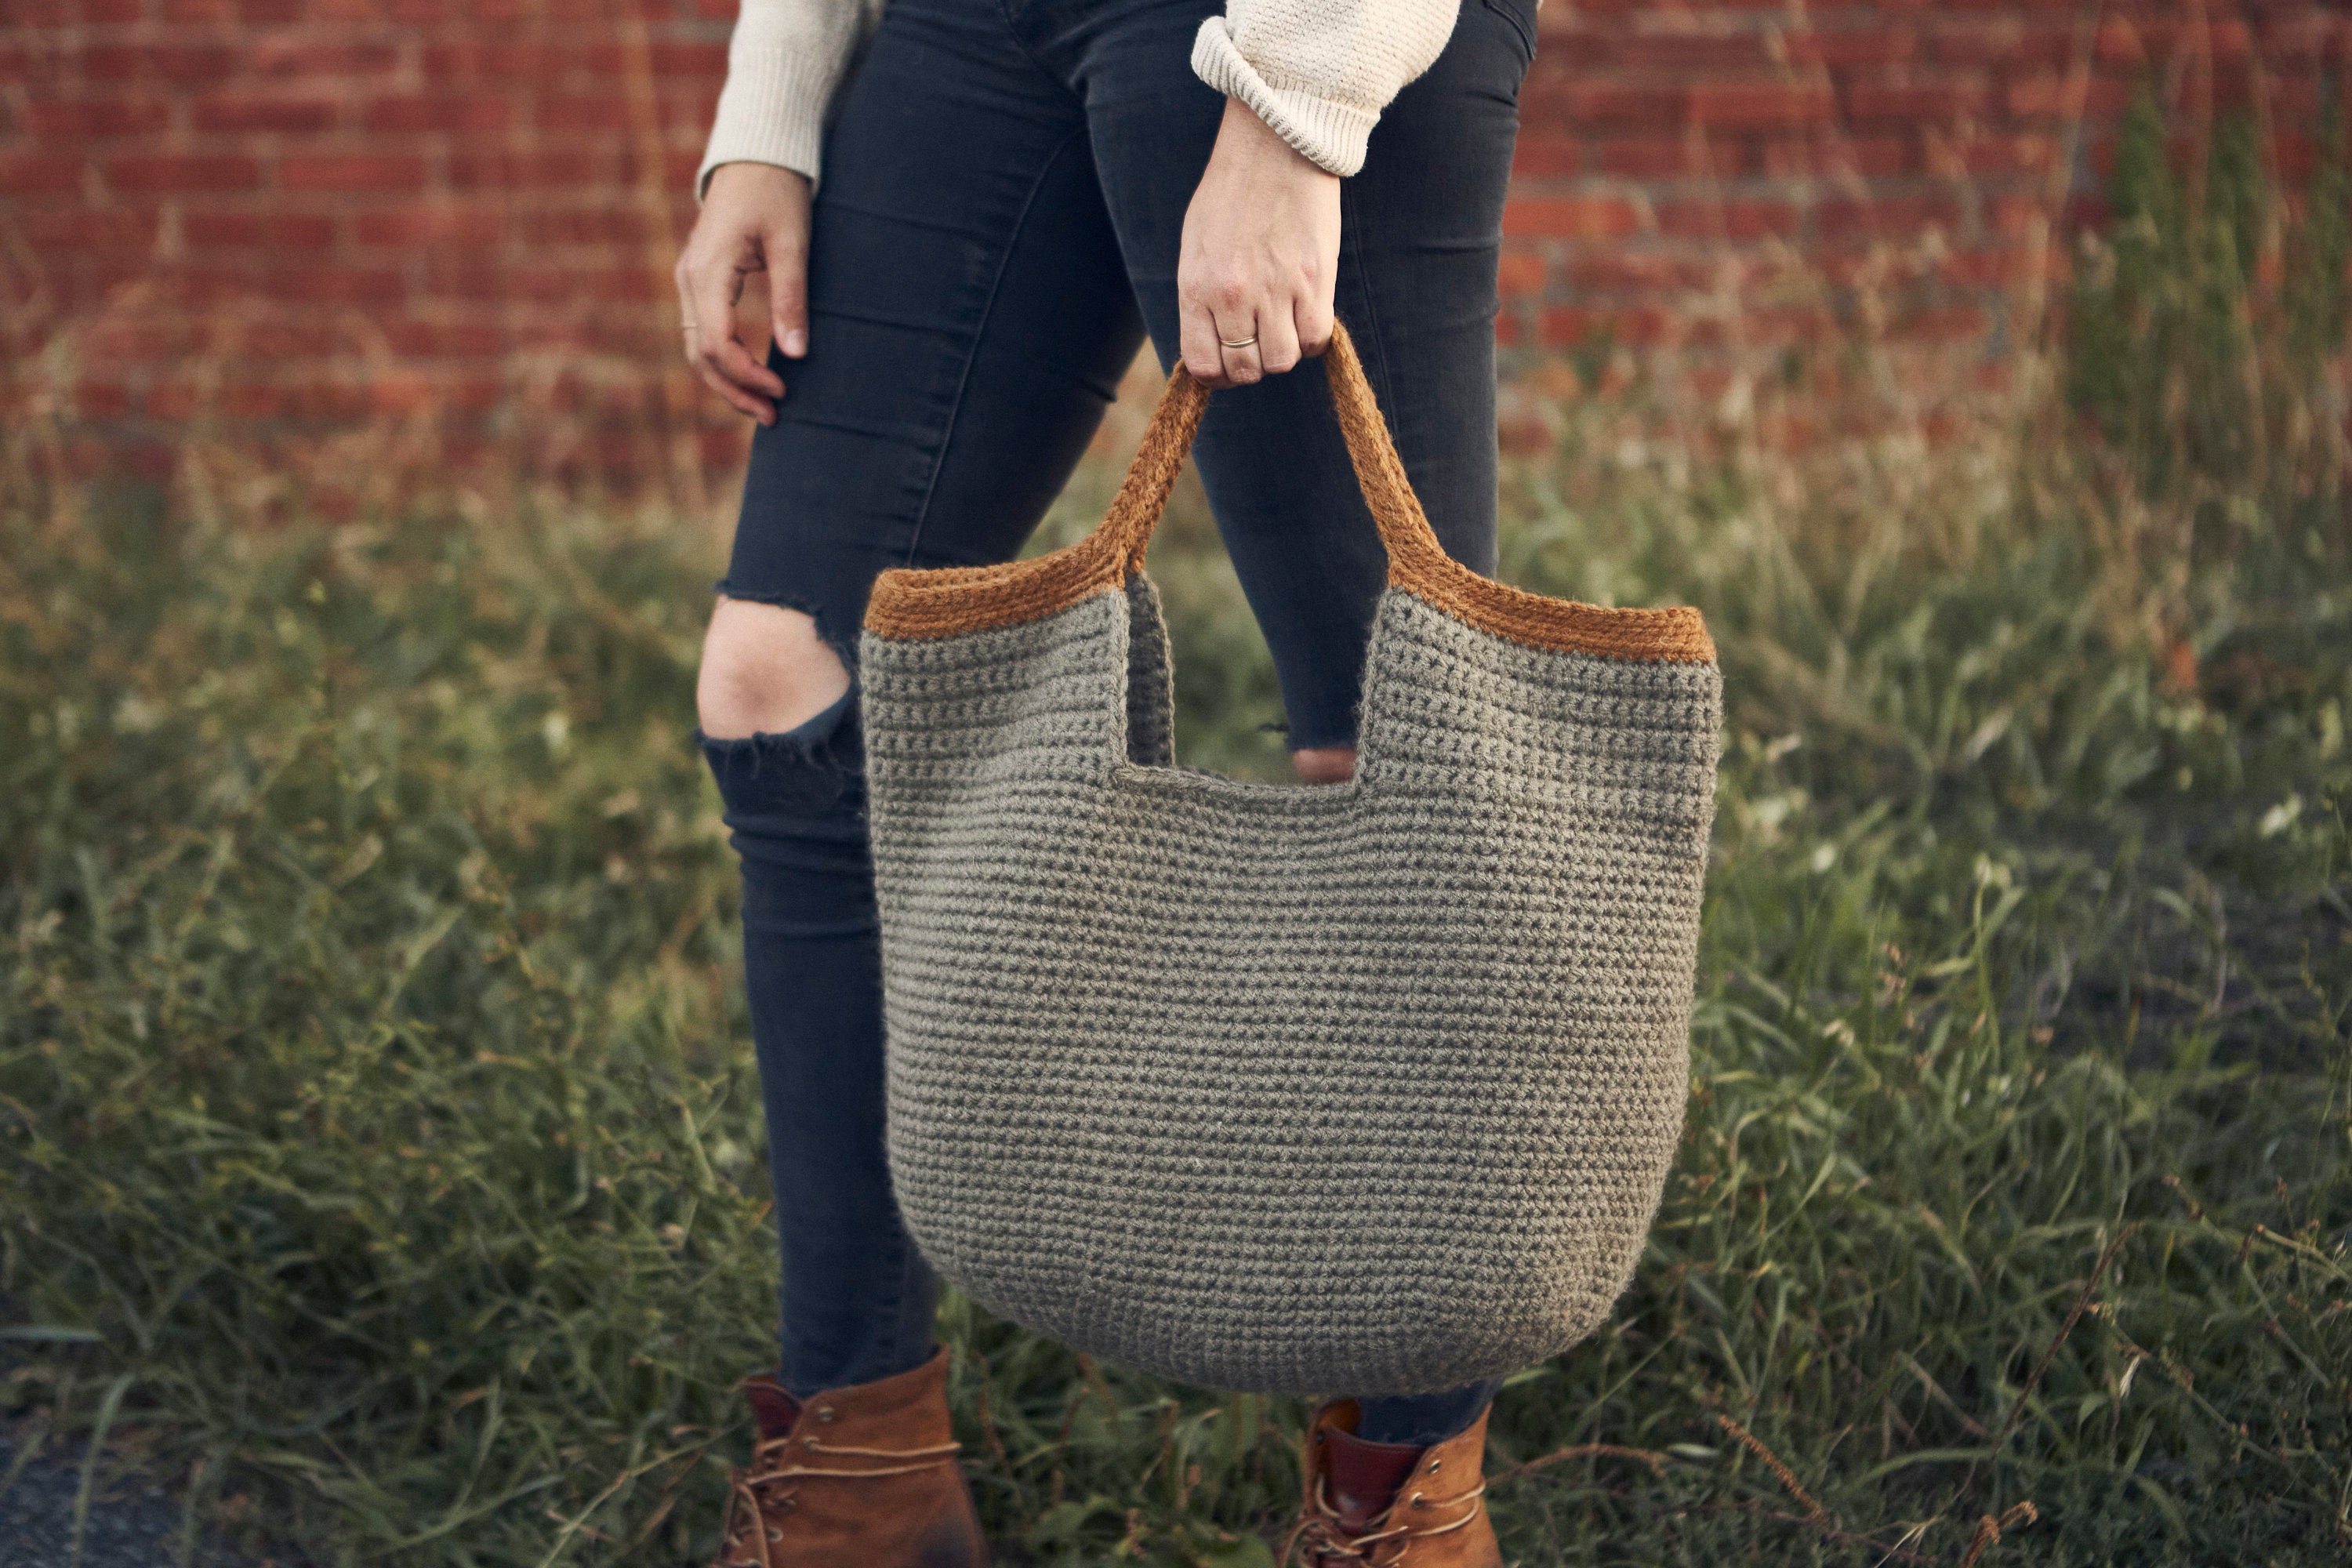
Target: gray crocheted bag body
column 1370, row 1087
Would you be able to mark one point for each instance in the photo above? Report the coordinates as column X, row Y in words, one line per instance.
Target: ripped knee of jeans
column 811, row 770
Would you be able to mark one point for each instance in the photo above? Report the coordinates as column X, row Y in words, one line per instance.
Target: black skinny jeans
column 995, row 233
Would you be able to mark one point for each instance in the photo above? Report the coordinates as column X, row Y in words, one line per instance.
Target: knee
column 764, row 670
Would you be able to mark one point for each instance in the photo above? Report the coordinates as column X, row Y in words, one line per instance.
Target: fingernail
column 796, row 343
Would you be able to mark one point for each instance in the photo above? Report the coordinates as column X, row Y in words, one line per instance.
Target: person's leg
column 1421, row 1419
column 969, row 319
column 1421, row 243
column 1421, row 240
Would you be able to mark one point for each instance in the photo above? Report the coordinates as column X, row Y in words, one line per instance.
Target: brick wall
column 281, row 221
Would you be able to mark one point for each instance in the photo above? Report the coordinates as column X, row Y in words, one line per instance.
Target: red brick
column 1916, row 103
column 1687, row 53
column 530, row 171
column 175, row 173
column 606, row 223
column 245, row 113
column 438, row 223
column 1644, row 158
column 1548, row 157
column 1631, row 272
column 1521, row 272
column 96, row 117
column 304, row 57
column 614, row 61
column 101, row 400
column 1761, row 105
column 2006, row 43
column 270, row 230
column 1733, row 219
column 471, row 58
column 1647, row 108
column 598, row 111
column 485, row 113
column 474, row 340
column 1885, row 218
column 1571, row 218
column 351, row 171
column 1868, row 42
column 84, row 228
column 169, row 62
column 1950, row 324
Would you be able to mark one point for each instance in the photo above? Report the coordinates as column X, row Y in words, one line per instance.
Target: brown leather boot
column 1391, row 1505
column 855, row 1478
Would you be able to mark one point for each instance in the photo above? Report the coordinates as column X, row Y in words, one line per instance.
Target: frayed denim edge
column 827, row 633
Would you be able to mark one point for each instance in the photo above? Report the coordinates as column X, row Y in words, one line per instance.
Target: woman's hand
column 1260, row 258
column 755, row 219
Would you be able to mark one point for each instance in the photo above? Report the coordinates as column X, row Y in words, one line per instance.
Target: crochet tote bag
column 1368, row 1087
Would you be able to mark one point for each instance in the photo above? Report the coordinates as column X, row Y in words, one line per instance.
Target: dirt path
column 132, row 1522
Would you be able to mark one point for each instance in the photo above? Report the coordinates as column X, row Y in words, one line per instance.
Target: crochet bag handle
column 1414, row 550
column 953, row 601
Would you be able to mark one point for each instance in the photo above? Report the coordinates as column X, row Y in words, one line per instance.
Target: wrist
column 755, row 177
column 1243, row 137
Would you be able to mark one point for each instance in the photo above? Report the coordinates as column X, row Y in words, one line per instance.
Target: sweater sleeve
column 1320, row 71
column 784, row 63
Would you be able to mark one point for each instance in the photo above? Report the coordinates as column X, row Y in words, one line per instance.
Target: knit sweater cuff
column 772, row 111
column 1325, row 131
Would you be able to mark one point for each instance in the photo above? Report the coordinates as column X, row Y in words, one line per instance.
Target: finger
column 712, row 346
column 758, row 409
column 1277, row 339
column 1197, row 339
column 734, row 365
column 1311, row 319
column 788, row 292
column 1237, row 338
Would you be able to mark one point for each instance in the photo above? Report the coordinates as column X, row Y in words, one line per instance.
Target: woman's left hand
column 1260, row 258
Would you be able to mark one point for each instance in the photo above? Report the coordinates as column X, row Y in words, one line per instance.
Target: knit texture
column 1369, row 1087
column 1319, row 72
column 785, row 61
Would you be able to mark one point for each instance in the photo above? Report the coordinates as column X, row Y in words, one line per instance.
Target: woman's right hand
column 755, row 219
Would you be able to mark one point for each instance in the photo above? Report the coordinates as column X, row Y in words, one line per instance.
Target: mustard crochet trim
column 914, row 604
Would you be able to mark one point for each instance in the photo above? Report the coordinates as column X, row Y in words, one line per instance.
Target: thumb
column 787, row 257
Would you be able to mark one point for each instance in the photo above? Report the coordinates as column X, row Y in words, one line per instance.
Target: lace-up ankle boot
column 865, row 1475
column 1391, row 1505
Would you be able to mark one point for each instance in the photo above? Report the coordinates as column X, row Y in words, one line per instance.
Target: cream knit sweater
column 1318, row 71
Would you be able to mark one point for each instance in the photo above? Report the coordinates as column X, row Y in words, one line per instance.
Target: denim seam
column 979, row 330
column 1013, row 31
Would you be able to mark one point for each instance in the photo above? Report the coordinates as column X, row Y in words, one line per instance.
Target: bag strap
column 1126, row 529
column 953, row 601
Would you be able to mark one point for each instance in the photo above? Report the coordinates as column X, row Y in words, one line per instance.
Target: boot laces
column 1320, row 1541
column 771, row 1462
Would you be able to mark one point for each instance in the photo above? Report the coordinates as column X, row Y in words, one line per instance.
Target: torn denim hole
column 844, row 649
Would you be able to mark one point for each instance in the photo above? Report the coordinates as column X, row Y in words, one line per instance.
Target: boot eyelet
column 1434, row 1464
column 808, row 1442
column 1416, row 1499
column 824, row 1412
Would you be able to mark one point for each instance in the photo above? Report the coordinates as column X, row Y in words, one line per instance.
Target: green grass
column 376, row 1114
column 380, row 1162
